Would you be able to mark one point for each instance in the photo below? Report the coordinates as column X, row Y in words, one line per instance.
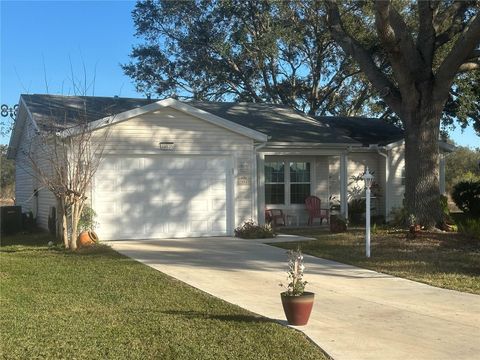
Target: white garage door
column 161, row 196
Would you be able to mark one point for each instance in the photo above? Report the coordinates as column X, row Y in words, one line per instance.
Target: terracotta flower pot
column 297, row 308
column 86, row 239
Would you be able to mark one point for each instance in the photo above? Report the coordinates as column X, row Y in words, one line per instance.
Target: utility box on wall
column 10, row 219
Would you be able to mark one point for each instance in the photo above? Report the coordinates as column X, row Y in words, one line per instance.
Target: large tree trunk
column 422, row 192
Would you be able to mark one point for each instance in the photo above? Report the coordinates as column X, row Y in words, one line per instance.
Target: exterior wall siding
column 24, row 181
column 191, row 136
column 357, row 164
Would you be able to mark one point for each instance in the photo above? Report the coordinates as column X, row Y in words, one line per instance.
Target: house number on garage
column 167, row 146
column 242, row 180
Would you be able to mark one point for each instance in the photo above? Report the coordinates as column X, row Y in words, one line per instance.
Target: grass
column 447, row 260
column 98, row 304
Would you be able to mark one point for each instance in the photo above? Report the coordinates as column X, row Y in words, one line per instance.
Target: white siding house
column 178, row 169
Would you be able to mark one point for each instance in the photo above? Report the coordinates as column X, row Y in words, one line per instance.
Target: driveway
column 358, row 314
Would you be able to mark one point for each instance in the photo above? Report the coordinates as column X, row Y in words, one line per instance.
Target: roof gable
column 65, row 112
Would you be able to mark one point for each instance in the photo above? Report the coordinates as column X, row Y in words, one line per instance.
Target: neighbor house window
column 299, row 182
column 275, row 182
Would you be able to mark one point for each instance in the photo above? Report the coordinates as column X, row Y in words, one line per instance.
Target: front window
column 275, row 182
column 287, row 182
column 299, row 182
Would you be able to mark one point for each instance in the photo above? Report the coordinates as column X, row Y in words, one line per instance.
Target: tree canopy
column 279, row 52
column 7, row 174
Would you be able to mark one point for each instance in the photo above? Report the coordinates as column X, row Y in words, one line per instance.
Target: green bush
column 466, row 195
column 356, row 210
column 399, row 217
column 470, row 227
column 87, row 219
column 250, row 230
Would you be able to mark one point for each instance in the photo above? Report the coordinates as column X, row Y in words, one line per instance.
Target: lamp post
column 368, row 178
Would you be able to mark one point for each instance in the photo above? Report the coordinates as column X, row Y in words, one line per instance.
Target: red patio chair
column 273, row 215
column 313, row 204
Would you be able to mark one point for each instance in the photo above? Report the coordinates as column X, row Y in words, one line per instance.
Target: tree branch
column 387, row 89
column 457, row 25
column 469, row 66
column 461, row 51
column 402, row 52
column 426, row 31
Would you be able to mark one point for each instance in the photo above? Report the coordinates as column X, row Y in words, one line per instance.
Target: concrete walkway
column 358, row 314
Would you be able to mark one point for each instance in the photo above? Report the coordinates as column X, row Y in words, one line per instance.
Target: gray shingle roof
column 279, row 122
column 66, row 111
column 365, row 130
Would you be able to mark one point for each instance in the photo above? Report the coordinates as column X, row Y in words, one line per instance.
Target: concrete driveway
column 358, row 314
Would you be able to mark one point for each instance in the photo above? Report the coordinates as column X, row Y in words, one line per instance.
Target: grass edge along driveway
column 446, row 260
column 100, row 304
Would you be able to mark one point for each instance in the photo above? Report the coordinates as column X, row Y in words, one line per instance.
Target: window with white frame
column 275, row 182
column 299, row 182
column 287, row 182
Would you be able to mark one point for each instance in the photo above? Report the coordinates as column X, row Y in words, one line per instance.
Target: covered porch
column 287, row 177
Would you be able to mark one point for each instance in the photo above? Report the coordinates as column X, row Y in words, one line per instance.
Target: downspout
column 255, row 182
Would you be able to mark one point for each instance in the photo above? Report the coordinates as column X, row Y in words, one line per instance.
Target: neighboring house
column 178, row 169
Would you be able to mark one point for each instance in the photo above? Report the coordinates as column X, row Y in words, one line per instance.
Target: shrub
column 87, row 219
column 470, row 227
column 399, row 217
column 466, row 195
column 338, row 224
column 250, row 230
column 356, row 210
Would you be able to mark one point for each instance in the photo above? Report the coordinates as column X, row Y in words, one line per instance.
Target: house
column 176, row 169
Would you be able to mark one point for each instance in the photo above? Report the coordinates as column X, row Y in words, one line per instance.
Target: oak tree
column 424, row 58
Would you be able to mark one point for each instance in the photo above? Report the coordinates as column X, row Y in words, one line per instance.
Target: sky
column 44, row 42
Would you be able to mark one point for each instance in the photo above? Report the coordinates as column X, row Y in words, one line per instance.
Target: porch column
column 343, row 184
column 261, row 188
column 442, row 174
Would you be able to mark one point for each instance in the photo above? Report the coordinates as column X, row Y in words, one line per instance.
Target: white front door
column 162, row 196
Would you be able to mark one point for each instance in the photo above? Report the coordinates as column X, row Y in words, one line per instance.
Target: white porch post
column 442, row 174
column 261, row 188
column 343, row 184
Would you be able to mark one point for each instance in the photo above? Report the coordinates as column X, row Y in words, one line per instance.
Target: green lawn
column 447, row 260
column 101, row 305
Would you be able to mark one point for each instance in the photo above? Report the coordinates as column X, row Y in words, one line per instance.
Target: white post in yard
column 368, row 178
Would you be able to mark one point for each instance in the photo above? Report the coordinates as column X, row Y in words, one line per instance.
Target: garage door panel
column 161, row 196
column 129, row 164
column 105, row 207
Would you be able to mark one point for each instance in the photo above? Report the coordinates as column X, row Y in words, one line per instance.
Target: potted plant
column 86, row 225
column 297, row 303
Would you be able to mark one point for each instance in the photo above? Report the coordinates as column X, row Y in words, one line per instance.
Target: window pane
column 299, row 192
column 299, row 172
column 274, row 194
column 274, row 172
